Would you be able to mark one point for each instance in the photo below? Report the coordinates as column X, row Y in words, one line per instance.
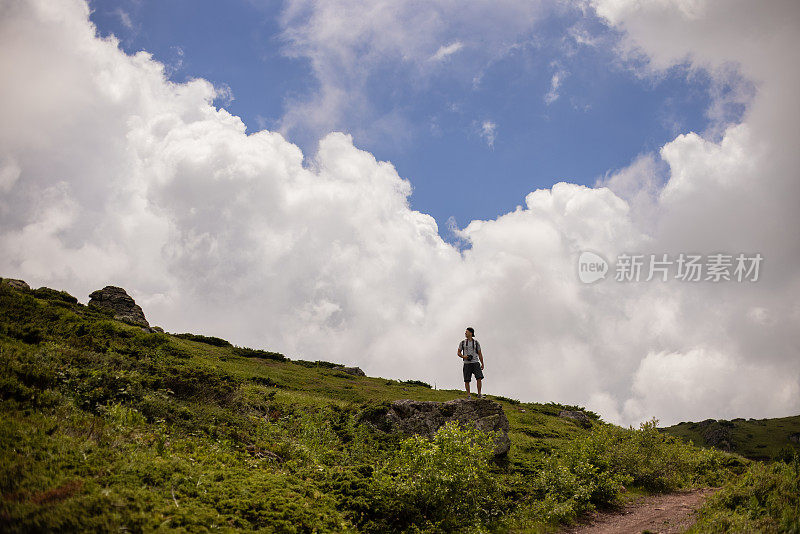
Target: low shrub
column 265, row 381
column 199, row 383
column 51, row 294
column 357, row 496
column 654, row 461
column 766, row 498
column 443, row 483
column 417, row 383
column 318, row 363
column 258, row 353
column 574, row 482
column 208, row 340
column 506, row 399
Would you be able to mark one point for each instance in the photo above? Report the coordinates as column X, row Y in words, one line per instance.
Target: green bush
column 110, row 336
column 318, row 363
column 208, row 340
column 265, row 381
column 766, row 498
column 417, row 383
column 258, row 353
column 442, row 483
column 51, row 294
column 652, row 460
column 200, row 383
column 592, row 472
column 104, row 384
column 27, row 334
column 572, row 483
column 357, row 496
column 506, row 399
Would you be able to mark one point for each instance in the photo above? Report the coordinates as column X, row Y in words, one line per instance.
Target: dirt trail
column 663, row 514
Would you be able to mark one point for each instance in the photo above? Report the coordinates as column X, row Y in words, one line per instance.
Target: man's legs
column 478, row 380
column 466, row 386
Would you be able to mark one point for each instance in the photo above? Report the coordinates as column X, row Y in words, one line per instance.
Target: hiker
column 469, row 350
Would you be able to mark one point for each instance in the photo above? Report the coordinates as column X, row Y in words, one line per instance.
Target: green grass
column 104, row 426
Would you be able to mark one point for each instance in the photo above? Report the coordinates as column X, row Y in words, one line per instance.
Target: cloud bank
column 111, row 174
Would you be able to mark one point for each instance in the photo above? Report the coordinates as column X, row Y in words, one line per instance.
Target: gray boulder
column 717, row 434
column 356, row 371
column 579, row 417
column 16, row 284
column 117, row 301
column 426, row 417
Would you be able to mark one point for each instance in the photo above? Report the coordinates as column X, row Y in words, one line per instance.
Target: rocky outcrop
column 717, row 434
column 118, row 302
column 16, row 284
column 356, row 371
column 425, row 417
column 579, row 417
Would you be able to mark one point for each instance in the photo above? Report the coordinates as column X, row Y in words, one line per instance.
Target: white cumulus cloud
column 111, row 174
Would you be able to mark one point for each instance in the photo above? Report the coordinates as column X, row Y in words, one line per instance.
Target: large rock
column 717, row 434
column 355, row 371
column 117, row 301
column 15, row 283
column 425, row 417
column 579, row 417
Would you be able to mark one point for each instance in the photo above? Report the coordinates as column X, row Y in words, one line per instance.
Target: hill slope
column 107, row 426
column 757, row 439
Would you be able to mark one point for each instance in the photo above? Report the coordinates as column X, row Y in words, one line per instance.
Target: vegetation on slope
column 104, row 426
column 756, row 439
column 766, row 498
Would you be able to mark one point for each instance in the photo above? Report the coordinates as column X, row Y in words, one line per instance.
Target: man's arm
column 480, row 355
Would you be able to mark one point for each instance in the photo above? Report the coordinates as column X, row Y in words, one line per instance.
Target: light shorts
column 470, row 369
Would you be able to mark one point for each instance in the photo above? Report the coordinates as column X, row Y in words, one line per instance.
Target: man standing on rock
column 469, row 350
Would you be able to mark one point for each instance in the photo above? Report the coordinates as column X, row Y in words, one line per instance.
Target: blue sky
column 604, row 115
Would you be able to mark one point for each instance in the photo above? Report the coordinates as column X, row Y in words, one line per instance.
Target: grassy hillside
column 104, row 426
column 757, row 439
